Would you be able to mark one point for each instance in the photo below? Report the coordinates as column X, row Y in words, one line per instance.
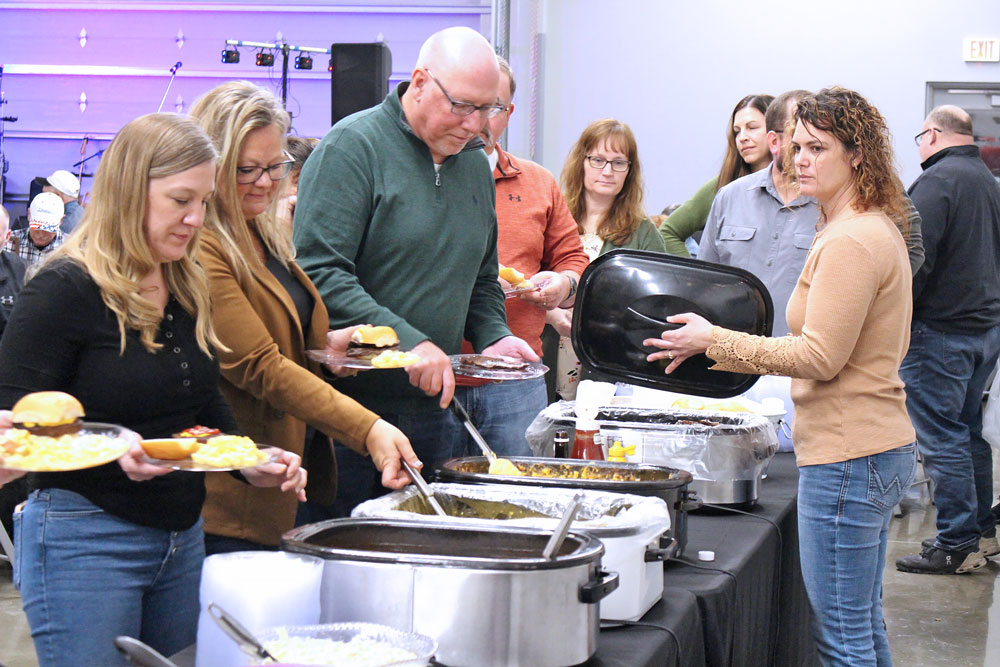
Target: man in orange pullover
column 539, row 238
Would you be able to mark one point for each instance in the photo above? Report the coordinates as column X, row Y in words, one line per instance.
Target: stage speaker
column 359, row 77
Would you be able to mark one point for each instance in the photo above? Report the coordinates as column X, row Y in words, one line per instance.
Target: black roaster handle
column 596, row 590
column 668, row 547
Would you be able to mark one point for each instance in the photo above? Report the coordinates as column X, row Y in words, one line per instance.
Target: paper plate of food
column 518, row 283
column 49, row 435
column 496, row 368
column 370, row 347
column 207, row 453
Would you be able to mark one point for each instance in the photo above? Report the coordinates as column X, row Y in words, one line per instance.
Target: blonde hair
column 626, row 212
column 111, row 242
column 228, row 113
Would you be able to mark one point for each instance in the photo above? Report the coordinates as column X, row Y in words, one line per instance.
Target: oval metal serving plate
column 116, row 446
column 193, row 466
column 459, row 363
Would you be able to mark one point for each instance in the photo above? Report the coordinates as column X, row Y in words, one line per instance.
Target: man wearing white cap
column 43, row 234
column 67, row 186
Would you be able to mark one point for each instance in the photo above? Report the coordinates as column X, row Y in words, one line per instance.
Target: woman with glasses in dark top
column 268, row 313
column 602, row 184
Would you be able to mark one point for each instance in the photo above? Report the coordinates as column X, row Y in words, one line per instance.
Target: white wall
column 673, row 70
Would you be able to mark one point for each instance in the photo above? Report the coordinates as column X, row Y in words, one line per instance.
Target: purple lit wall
column 118, row 56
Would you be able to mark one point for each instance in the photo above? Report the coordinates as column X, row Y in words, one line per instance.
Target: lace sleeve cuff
column 744, row 353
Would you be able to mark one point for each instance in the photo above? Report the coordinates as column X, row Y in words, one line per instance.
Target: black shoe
column 932, row 560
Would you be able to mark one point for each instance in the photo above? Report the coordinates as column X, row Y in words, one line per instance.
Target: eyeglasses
column 920, row 136
column 598, row 162
column 467, row 108
column 276, row 172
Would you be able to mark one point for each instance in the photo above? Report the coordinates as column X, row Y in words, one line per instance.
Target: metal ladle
column 559, row 534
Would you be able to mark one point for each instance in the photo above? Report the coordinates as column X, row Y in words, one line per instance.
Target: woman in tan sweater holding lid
column 850, row 321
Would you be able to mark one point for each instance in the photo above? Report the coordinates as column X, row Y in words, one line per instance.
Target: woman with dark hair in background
column 602, row 184
column 746, row 152
column 850, row 327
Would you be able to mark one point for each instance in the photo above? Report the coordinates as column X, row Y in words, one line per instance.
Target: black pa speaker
column 360, row 77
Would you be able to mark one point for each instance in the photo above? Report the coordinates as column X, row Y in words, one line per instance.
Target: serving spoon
column 498, row 466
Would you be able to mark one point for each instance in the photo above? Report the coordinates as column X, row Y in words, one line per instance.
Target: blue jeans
column 86, row 577
column 945, row 376
column 357, row 478
column 502, row 411
column 844, row 511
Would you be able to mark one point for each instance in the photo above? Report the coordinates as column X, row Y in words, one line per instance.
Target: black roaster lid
column 625, row 296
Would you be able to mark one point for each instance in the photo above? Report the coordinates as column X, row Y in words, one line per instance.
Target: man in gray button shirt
column 760, row 222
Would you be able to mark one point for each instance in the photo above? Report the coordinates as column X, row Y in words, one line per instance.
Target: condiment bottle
column 561, row 445
column 587, row 444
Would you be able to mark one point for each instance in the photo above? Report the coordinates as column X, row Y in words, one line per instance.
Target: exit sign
column 981, row 50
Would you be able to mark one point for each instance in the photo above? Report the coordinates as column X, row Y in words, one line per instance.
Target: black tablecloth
column 747, row 607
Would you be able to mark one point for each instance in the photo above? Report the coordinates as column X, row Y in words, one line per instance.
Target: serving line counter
column 746, row 608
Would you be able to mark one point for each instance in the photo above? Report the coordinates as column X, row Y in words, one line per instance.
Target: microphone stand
column 3, row 156
column 173, row 73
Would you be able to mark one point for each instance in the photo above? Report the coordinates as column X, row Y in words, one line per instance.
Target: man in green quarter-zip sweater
column 396, row 225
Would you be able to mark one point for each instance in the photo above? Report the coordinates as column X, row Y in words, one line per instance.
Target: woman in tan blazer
column 267, row 312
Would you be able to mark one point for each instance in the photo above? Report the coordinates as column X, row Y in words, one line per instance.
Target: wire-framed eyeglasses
column 467, row 108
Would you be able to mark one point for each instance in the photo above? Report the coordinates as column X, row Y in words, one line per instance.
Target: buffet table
column 747, row 607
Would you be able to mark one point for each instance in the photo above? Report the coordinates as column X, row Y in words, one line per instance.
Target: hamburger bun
column 511, row 275
column 371, row 336
column 46, row 410
column 170, row 449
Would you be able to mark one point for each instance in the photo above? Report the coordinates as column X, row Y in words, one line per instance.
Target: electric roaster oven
column 632, row 528
column 486, row 594
column 625, row 297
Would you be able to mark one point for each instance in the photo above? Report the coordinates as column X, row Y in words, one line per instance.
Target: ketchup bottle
column 587, row 444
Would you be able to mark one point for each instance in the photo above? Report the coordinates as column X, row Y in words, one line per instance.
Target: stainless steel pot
column 486, row 595
column 639, row 479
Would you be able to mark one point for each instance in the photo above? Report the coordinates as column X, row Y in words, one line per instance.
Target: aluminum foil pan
column 601, row 513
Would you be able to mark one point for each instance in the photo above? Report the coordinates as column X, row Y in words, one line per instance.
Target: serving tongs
column 491, row 456
column 239, row 634
column 559, row 534
column 423, row 487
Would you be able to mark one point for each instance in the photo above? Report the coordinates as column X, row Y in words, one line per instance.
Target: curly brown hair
column 862, row 130
column 626, row 212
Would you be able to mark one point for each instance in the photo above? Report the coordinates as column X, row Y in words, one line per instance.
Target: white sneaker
column 988, row 546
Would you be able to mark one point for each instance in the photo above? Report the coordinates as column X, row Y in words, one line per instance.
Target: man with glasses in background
column 954, row 341
column 760, row 222
column 396, row 225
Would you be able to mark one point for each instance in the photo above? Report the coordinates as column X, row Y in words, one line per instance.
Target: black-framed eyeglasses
column 467, row 108
column 598, row 162
column 920, row 136
column 276, row 172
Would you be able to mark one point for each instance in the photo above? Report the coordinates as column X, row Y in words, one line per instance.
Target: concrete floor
column 932, row 620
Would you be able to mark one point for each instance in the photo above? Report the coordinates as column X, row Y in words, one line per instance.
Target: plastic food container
column 422, row 646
